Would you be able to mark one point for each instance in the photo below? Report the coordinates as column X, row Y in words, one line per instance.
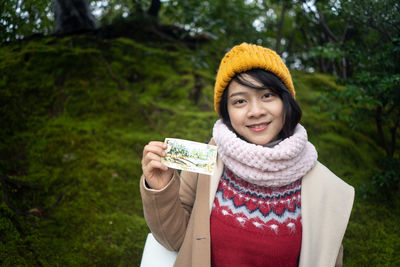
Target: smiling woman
column 269, row 202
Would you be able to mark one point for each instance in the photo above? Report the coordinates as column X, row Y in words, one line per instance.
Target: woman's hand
column 157, row 174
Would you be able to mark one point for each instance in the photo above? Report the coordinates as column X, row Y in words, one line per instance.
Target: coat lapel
column 201, row 224
column 214, row 181
column 326, row 203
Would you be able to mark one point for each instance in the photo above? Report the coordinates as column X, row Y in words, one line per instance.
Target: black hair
column 291, row 109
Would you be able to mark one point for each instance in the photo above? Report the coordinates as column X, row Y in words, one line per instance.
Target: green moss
column 372, row 239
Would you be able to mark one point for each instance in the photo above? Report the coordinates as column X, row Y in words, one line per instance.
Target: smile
column 259, row 126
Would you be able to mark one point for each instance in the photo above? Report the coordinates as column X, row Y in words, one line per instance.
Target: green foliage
column 372, row 236
column 24, row 18
column 221, row 20
column 114, row 10
column 361, row 46
column 374, row 91
column 384, row 183
column 330, row 51
column 328, row 133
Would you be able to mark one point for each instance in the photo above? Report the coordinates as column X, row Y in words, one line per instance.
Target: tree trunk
column 72, row 16
column 280, row 29
column 344, row 68
column 154, row 8
column 137, row 7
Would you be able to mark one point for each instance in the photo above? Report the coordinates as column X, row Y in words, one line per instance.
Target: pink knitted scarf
column 277, row 166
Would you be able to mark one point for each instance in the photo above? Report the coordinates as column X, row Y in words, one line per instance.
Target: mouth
column 258, row 126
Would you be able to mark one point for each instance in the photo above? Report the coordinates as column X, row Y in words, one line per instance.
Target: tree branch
column 19, row 183
column 370, row 20
column 310, row 10
column 343, row 38
column 325, row 27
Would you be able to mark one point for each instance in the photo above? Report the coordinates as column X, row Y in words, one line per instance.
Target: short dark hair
column 291, row 109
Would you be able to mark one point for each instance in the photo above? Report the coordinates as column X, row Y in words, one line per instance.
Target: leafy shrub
column 384, row 183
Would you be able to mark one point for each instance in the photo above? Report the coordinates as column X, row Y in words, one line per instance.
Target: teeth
column 258, row 126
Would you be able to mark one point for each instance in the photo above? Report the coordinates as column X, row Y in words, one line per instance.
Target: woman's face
column 256, row 115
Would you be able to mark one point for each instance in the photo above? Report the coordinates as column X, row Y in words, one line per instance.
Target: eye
column 268, row 95
column 239, row 101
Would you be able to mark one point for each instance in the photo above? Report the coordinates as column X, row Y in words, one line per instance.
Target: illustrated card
column 190, row 156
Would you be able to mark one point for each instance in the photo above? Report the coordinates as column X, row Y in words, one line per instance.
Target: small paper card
column 190, row 156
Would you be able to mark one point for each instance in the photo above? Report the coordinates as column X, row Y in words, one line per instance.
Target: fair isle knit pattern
column 273, row 211
column 280, row 165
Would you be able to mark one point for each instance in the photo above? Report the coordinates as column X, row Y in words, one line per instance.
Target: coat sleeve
column 167, row 211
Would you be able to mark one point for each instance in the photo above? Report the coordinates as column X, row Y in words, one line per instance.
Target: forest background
column 84, row 85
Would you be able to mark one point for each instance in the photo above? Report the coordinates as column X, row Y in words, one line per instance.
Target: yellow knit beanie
column 245, row 57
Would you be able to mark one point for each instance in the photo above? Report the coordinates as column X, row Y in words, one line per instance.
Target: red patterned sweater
column 255, row 226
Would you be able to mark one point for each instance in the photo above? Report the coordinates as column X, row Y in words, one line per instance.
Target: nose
column 256, row 109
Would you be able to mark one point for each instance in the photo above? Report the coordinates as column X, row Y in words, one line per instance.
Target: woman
column 270, row 202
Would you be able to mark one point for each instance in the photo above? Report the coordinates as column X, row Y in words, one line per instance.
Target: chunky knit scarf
column 274, row 166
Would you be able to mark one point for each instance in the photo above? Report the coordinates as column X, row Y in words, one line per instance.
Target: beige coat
column 181, row 222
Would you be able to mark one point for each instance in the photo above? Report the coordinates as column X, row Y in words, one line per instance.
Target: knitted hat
column 245, row 57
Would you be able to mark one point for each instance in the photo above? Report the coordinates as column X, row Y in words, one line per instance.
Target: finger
column 158, row 143
column 153, row 165
column 149, row 157
column 156, row 149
